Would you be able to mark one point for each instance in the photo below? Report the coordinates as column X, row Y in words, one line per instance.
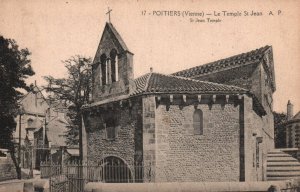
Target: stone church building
column 212, row 122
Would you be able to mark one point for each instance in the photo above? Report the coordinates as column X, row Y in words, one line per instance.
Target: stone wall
column 149, row 138
column 125, row 145
column 193, row 186
column 125, row 68
column 238, row 76
column 7, row 168
column 113, row 89
column 246, row 76
column 183, row 156
column 256, row 130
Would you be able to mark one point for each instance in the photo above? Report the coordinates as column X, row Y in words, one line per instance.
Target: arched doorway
column 115, row 170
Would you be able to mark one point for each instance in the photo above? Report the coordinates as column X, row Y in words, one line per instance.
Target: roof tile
column 160, row 83
column 254, row 55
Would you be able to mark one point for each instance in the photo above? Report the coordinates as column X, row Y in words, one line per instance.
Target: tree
column 15, row 68
column 279, row 129
column 73, row 91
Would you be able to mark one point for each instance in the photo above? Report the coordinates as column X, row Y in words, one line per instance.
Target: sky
column 159, row 34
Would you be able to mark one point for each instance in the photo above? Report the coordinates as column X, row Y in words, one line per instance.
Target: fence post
column 67, row 175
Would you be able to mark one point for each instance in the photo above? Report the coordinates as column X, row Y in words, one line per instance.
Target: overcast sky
column 55, row 30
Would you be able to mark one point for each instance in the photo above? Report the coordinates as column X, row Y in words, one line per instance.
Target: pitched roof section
column 110, row 36
column 34, row 102
column 234, row 61
column 295, row 119
column 159, row 83
column 117, row 36
column 297, row 116
column 57, row 130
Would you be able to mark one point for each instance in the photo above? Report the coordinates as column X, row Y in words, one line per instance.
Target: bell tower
column 112, row 67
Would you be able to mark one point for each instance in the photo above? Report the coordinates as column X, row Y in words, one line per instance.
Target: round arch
column 103, row 66
column 116, row 170
column 114, row 65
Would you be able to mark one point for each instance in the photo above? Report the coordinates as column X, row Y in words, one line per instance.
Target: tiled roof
column 234, row 61
column 159, row 83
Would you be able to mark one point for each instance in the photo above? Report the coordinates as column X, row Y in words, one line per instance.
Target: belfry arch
column 103, row 68
column 114, row 65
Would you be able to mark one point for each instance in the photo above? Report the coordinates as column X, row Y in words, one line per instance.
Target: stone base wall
column 7, row 168
column 185, row 157
column 149, row 138
column 194, row 186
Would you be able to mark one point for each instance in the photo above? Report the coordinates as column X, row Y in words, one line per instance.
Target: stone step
column 278, row 155
column 283, row 160
column 283, row 174
column 280, row 168
column 284, row 164
column 276, row 152
column 279, row 178
column 283, row 171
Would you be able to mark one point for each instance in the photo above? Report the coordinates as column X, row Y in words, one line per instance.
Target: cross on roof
column 108, row 12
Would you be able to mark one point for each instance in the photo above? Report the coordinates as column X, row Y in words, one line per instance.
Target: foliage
column 74, row 91
column 279, row 129
column 15, row 68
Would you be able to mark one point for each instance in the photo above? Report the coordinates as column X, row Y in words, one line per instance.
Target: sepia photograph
column 138, row 95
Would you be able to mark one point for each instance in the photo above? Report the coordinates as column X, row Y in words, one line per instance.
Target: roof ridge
column 118, row 36
column 295, row 116
column 147, row 81
column 199, row 81
column 258, row 50
column 42, row 95
column 32, row 91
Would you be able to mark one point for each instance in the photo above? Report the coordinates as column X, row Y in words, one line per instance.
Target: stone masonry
column 7, row 168
column 183, row 156
column 128, row 139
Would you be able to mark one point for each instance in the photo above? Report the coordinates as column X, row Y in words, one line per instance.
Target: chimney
column 289, row 110
column 151, row 69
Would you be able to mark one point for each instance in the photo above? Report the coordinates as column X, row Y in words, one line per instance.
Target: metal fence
column 109, row 173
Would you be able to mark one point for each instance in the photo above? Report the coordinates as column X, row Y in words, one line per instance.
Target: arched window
column 198, row 122
column 111, row 124
column 110, row 128
column 114, row 65
column 103, row 69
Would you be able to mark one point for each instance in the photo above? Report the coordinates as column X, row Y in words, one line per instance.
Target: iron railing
column 109, row 173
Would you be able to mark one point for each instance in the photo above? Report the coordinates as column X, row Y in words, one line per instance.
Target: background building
column 43, row 128
column 292, row 126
